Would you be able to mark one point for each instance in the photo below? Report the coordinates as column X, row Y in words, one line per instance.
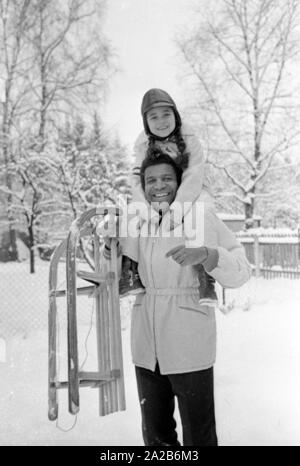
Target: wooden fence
column 273, row 255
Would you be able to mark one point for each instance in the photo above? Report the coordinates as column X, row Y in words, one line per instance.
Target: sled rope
column 88, row 336
column 91, row 324
column 62, row 429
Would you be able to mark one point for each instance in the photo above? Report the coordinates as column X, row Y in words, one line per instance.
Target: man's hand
column 188, row 256
column 108, row 229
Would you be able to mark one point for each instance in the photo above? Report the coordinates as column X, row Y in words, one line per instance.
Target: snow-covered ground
column 257, row 375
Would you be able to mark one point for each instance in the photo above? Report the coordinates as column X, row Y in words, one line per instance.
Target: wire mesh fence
column 24, row 301
column 24, row 296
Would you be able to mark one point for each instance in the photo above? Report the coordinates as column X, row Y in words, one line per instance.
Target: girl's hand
column 188, row 256
column 171, row 151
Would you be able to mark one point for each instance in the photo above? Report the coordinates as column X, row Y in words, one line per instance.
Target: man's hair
column 156, row 157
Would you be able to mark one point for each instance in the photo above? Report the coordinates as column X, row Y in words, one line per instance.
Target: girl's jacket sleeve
column 139, row 153
column 193, row 177
column 229, row 266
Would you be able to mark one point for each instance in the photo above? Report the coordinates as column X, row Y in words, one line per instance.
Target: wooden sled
column 109, row 377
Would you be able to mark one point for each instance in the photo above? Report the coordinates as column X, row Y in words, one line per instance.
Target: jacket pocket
column 200, row 309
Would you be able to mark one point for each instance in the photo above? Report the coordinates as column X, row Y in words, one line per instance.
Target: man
column 173, row 336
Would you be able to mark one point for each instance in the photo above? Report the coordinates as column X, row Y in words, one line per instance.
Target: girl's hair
column 182, row 158
column 156, row 157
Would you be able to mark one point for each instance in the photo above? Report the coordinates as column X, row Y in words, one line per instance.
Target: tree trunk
column 249, row 212
column 13, row 251
column 31, row 249
column 42, row 112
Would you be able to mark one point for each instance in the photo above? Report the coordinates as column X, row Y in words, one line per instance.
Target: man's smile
column 160, row 195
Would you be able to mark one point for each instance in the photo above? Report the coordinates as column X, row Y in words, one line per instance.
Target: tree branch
column 230, row 176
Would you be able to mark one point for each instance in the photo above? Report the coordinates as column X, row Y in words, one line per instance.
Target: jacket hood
column 158, row 98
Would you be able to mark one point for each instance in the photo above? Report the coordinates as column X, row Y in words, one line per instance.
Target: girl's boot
column 130, row 282
column 207, row 290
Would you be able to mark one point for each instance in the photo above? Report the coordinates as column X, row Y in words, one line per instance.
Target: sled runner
column 102, row 285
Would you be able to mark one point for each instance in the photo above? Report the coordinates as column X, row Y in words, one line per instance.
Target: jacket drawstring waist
column 172, row 291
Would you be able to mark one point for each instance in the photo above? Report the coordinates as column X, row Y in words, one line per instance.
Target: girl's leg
column 157, row 407
column 195, row 394
column 130, row 282
column 207, row 292
column 194, row 237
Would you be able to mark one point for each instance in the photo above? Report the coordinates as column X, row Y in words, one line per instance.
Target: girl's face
column 161, row 121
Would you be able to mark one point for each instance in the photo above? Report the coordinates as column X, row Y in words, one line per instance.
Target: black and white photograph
column 149, row 225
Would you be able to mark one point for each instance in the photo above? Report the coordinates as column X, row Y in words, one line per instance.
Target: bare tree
column 71, row 60
column 54, row 60
column 14, row 65
column 240, row 65
column 71, row 63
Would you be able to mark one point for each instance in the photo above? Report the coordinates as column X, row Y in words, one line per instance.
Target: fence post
column 256, row 256
column 298, row 245
column 223, row 296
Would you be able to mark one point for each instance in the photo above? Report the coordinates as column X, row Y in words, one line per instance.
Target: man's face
column 160, row 185
column 161, row 121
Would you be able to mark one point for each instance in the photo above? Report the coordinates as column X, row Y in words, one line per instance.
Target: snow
column 277, row 232
column 257, row 375
column 226, row 216
column 270, row 235
column 270, row 240
column 287, row 240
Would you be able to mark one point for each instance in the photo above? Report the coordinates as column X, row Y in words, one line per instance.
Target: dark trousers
column 195, row 395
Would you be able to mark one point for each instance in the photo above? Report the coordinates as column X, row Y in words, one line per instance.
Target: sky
column 142, row 34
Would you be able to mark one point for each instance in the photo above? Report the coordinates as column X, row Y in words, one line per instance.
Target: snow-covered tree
column 54, row 61
column 240, row 57
column 32, row 196
column 279, row 207
column 14, row 93
column 91, row 169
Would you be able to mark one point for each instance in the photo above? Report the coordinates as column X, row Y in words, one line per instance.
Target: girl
column 163, row 128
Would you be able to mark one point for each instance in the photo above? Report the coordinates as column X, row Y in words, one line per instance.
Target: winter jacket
column 168, row 323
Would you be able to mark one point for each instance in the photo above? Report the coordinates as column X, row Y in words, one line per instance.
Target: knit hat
column 158, row 98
